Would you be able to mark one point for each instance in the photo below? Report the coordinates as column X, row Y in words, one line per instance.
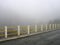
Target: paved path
column 50, row 38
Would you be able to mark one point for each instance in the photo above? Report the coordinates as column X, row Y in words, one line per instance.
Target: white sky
column 30, row 10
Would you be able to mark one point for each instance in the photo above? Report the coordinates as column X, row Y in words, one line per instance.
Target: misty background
column 18, row 12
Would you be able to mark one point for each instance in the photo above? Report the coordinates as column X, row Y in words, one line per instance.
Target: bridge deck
column 49, row 38
column 16, row 37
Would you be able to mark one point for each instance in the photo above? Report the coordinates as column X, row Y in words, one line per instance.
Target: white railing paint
column 53, row 26
column 35, row 28
column 50, row 26
column 18, row 30
column 46, row 27
column 28, row 29
column 42, row 27
column 5, row 31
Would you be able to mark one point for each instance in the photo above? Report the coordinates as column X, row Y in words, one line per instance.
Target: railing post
column 5, row 31
column 53, row 26
column 42, row 27
column 50, row 26
column 46, row 27
column 57, row 26
column 28, row 29
column 35, row 28
column 18, row 30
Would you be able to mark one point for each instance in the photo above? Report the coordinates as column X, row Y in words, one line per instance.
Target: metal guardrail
column 10, row 32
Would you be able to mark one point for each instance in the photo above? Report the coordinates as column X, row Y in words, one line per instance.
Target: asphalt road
column 50, row 38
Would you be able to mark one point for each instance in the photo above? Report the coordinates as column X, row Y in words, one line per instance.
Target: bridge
column 47, row 34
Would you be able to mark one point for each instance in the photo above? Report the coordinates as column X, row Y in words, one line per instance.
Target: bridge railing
column 11, row 31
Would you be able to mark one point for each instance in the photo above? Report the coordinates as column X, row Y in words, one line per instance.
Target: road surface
column 49, row 38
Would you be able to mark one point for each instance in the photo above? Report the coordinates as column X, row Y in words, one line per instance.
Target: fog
column 15, row 12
